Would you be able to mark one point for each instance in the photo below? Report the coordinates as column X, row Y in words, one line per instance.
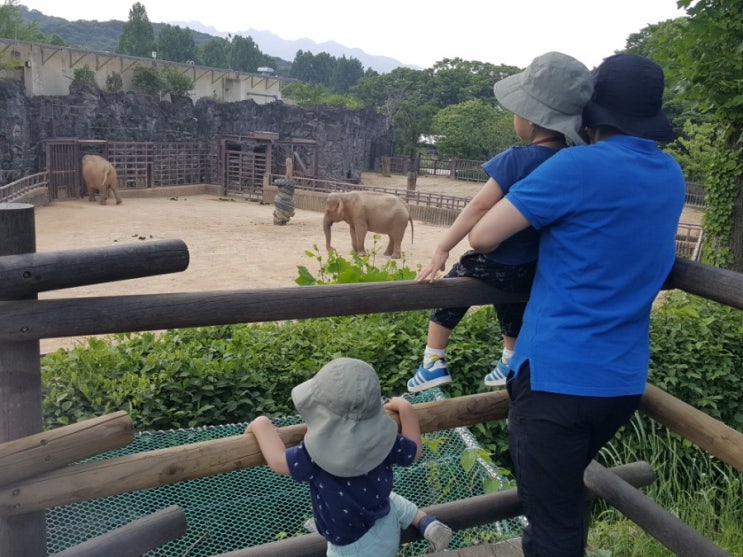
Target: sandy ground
column 231, row 244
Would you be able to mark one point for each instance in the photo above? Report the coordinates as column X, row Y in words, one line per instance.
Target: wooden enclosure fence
column 38, row 470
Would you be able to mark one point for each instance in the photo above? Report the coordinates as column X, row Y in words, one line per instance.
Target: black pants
column 552, row 439
column 516, row 279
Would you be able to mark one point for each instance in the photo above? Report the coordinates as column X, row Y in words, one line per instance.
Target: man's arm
column 501, row 222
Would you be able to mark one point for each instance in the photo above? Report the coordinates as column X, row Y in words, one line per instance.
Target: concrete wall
column 49, row 70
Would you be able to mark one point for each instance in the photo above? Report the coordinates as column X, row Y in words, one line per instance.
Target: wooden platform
column 508, row 548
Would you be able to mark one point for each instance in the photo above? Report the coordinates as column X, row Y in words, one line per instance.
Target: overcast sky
column 413, row 32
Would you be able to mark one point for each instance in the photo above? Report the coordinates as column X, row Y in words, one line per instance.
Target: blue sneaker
column 428, row 378
column 497, row 377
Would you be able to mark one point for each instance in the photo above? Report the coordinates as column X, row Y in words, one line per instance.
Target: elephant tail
column 105, row 177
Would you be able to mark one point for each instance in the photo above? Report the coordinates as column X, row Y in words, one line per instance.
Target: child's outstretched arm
column 270, row 443
column 409, row 426
column 483, row 200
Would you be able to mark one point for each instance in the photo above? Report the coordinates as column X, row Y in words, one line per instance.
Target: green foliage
column 305, row 94
column 214, row 53
column 338, row 270
column 245, row 56
column 12, row 25
column 148, row 80
column 176, row 44
column 175, row 82
column 85, row 75
column 137, row 37
column 697, row 354
column 114, row 82
column 474, row 130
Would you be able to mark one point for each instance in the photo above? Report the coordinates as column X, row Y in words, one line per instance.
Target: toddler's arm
column 270, row 443
column 409, row 426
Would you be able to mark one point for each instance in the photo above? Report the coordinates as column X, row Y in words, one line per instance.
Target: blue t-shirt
column 607, row 215
column 507, row 168
column 346, row 508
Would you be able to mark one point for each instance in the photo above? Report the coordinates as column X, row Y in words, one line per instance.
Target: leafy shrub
column 84, row 75
column 114, row 82
column 175, row 82
column 147, row 81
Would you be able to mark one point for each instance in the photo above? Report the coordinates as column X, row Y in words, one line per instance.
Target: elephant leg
column 360, row 238
column 91, row 196
column 115, row 191
column 390, row 246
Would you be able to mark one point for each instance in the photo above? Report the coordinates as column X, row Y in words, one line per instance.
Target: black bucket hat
column 627, row 95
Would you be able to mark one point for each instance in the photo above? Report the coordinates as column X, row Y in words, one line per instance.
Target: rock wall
column 346, row 139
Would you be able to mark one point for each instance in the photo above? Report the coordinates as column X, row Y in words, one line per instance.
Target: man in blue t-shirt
column 607, row 214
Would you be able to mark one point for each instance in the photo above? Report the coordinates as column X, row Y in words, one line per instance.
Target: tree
column 12, row 25
column 245, row 56
column 456, row 80
column 473, row 129
column 176, row 44
column 137, row 38
column 709, row 59
column 214, row 53
column 345, row 74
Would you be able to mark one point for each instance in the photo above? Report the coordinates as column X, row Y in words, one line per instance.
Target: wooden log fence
column 24, row 320
column 48, row 450
column 460, row 514
column 133, row 539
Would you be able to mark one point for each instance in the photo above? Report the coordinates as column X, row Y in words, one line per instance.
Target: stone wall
column 345, row 138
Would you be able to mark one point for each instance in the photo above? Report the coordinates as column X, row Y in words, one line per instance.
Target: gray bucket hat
column 550, row 92
column 348, row 430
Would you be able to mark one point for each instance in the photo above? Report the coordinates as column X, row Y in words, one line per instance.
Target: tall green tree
column 345, row 74
column 245, row 56
column 214, row 53
column 708, row 59
column 137, row 38
column 13, row 26
column 456, row 80
column 474, row 129
column 176, row 44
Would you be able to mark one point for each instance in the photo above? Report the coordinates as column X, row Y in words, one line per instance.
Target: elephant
column 99, row 176
column 365, row 211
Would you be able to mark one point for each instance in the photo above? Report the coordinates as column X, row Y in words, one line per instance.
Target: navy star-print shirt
column 346, row 508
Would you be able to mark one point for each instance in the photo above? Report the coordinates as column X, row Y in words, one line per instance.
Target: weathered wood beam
column 458, row 515
column 721, row 285
column 662, row 525
column 139, row 471
column 30, row 273
column 133, row 539
column 26, row 320
column 713, row 436
column 35, row 454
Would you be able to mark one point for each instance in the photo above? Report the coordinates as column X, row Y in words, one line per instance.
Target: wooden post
column 20, row 386
column 133, row 539
column 386, row 166
column 289, row 168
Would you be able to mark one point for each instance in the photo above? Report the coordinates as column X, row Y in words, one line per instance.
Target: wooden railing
column 24, row 320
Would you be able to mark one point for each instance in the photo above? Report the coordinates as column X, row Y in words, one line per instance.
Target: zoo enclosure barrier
column 471, row 170
column 24, row 320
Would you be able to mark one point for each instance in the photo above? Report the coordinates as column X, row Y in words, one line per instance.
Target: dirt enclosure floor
column 232, row 244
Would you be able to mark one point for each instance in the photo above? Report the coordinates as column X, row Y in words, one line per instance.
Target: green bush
column 147, row 81
column 84, row 75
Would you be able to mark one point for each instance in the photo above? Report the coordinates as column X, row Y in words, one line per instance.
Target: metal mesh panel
column 249, row 507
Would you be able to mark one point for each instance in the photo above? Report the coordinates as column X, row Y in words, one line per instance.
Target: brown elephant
column 365, row 211
column 100, row 177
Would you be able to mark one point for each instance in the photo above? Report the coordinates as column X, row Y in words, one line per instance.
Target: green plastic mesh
column 249, row 507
